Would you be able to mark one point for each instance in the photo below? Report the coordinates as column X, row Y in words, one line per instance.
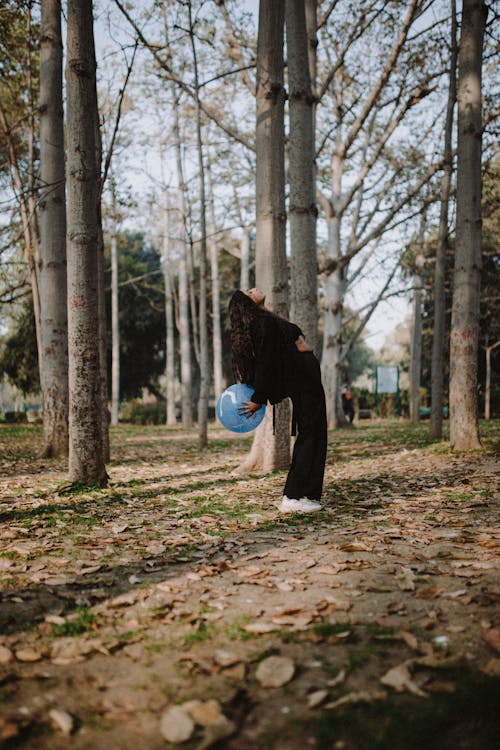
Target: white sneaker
column 289, row 505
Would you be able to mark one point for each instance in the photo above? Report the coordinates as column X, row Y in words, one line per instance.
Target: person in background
column 348, row 402
column 271, row 355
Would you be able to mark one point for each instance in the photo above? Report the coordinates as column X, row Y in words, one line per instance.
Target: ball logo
column 228, row 409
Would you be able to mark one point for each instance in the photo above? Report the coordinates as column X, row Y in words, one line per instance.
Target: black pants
column 305, row 478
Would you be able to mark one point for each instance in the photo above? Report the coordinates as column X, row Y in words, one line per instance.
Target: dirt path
column 175, row 588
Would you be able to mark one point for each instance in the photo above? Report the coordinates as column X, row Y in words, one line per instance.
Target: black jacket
column 273, row 341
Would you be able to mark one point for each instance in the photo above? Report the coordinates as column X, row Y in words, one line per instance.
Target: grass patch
column 81, row 621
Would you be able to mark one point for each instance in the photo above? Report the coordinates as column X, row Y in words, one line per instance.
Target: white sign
column 387, row 379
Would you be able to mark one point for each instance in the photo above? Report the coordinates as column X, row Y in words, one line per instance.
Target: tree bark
column 214, row 274
column 203, row 314
column 271, row 452
column 52, row 211
column 184, row 336
column 464, row 429
column 115, row 322
column 245, row 260
column 438, row 339
column 416, row 344
column 86, row 464
column 169, row 316
column 302, row 206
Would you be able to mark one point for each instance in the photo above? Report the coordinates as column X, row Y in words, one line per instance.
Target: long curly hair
column 243, row 312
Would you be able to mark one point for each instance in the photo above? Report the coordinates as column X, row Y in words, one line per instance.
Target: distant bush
column 143, row 413
column 15, row 417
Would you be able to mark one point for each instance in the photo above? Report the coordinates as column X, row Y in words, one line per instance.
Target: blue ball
column 228, row 406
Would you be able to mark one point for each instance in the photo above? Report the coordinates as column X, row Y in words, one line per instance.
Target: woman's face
column 255, row 295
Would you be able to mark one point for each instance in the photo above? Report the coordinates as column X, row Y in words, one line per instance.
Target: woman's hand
column 302, row 346
column 249, row 408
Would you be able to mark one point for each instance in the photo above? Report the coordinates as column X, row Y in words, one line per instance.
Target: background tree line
column 357, row 96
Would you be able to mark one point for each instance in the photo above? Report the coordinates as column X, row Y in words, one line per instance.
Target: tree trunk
column 487, row 385
column 214, row 271
column 86, row 464
column 464, row 432
column 245, row 260
column 52, row 208
column 169, row 317
column 203, row 315
column 302, row 205
column 270, row 452
column 438, row 339
column 416, row 348
column 115, row 323
column 184, row 336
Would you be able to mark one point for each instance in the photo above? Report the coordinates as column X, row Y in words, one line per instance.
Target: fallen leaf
column 8, row 729
column 260, row 627
column 221, row 729
column 204, row 713
column 409, row 639
column 62, row 720
column 316, row 698
column 236, row 672
column 400, row 679
column 338, row 680
column 492, row 668
column 28, row 654
column 5, row 655
column 492, row 638
column 363, row 696
column 406, row 579
column 225, row 658
column 176, row 725
column 275, row 671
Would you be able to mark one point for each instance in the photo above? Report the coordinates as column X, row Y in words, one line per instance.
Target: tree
column 141, row 316
column 302, row 204
column 464, row 432
column 271, row 449
column 372, row 178
column 52, row 216
column 203, row 313
column 86, row 463
column 438, row 341
column 18, row 138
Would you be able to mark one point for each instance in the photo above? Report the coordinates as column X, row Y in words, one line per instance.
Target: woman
column 271, row 355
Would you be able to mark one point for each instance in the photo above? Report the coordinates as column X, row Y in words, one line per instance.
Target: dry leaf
column 236, row 672
column 260, row 627
column 492, row 638
column 5, row 655
column 284, row 586
column 8, row 729
column 363, row 696
column 316, row 698
column 225, row 658
column 275, row 671
column 492, row 668
column 406, row 579
column 61, row 720
column 203, row 713
column 176, row 725
column 409, row 639
column 400, row 679
column 338, row 680
column 222, row 728
column 28, row 654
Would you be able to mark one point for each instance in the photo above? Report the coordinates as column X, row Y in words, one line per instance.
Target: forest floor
column 179, row 604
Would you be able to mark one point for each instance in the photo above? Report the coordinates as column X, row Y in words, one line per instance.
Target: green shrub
column 137, row 413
